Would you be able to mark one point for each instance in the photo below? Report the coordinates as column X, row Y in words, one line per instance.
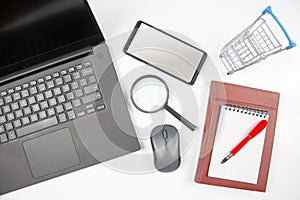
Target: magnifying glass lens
column 149, row 94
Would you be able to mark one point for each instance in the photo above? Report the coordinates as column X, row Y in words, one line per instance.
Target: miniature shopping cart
column 255, row 43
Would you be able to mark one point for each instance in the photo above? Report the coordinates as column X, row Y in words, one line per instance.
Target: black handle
column 180, row 118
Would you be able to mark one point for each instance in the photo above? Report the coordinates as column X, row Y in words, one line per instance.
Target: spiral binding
column 246, row 111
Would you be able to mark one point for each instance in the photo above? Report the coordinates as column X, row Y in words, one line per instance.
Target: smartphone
column 165, row 52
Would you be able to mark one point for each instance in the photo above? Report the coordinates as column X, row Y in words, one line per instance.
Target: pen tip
column 226, row 158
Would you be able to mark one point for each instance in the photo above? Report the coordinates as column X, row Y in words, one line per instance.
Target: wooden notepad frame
column 225, row 93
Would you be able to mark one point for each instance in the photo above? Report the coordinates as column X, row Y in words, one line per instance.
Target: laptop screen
column 32, row 31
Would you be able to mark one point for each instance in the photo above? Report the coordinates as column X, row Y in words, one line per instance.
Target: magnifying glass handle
column 180, row 118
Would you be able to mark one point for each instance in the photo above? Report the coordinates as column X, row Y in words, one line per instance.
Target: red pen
column 254, row 132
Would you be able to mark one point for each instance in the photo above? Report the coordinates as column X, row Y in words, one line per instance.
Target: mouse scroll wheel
column 165, row 134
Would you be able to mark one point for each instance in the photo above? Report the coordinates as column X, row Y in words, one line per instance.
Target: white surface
column 233, row 127
column 210, row 23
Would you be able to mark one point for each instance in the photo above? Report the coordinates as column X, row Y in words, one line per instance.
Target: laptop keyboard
column 48, row 101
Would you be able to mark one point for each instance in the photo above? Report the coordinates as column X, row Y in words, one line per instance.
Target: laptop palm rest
column 51, row 153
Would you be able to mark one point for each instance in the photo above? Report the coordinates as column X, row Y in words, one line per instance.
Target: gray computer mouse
column 166, row 148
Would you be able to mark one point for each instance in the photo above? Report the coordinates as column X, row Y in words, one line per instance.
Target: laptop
column 61, row 105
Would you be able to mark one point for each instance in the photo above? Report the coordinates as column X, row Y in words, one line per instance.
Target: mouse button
column 165, row 134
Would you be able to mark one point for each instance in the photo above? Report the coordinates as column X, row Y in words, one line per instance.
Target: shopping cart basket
column 255, row 43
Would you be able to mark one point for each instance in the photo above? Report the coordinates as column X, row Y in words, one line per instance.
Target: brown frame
column 225, row 93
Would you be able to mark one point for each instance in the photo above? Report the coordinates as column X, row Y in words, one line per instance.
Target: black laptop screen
column 32, row 31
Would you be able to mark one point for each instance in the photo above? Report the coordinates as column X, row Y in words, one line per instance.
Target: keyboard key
column 57, row 91
column 2, row 119
column 17, row 123
column 74, row 85
column 34, row 118
column 71, row 69
column 42, row 87
column 19, row 113
column 83, row 82
column 25, row 85
column 52, row 102
column 50, row 84
column 59, row 109
column 76, row 75
column 40, row 97
column 67, row 78
column 44, row 105
column 68, row 106
column 70, row 96
column 61, row 99
column 42, row 114
column 41, row 80
column 10, row 116
column 11, row 135
column 15, row 106
column 48, row 77
column 89, row 106
column 2, row 130
column 48, row 94
column 3, row 138
column 33, row 90
column 18, row 88
column 27, row 111
column 32, row 83
column 3, row 93
column 55, row 75
column 10, row 91
column 66, row 88
column 87, row 71
column 17, row 96
column 31, row 100
column 25, row 93
column 87, row 64
column 8, row 99
column 79, row 67
column 1, row 112
column 92, row 79
column 90, row 89
column 71, row 115
column 50, row 112
column 25, row 120
column 77, row 103
column 37, row 126
column 81, row 114
column 62, row 118
column 59, row 81
column 6, row 109
column 79, row 93
column 1, row 102
column 92, row 110
column 23, row 103
column 92, row 97
column 36, row 108
column 63, row 72
column 9, row 126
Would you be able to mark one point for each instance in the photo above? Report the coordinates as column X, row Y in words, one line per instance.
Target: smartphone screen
column 165, row 52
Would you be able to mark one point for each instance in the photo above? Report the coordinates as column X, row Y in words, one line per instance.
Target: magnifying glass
column 150, row 94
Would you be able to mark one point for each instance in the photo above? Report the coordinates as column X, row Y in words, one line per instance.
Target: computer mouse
column 166, row 148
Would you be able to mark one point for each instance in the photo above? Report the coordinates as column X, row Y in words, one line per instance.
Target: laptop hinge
column 47, row 64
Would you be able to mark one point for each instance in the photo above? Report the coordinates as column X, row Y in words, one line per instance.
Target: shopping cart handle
column 291, row 43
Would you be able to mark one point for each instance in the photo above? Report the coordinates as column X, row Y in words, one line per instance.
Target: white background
column 211, row 24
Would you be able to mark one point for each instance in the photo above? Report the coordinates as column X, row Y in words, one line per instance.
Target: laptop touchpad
column 51, row 153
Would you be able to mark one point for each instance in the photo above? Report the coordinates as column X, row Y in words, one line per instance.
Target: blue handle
column 291, row 43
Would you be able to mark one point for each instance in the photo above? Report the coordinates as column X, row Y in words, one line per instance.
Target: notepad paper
column 234, row 124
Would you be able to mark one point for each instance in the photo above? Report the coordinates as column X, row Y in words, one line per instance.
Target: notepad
column 234, row 124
